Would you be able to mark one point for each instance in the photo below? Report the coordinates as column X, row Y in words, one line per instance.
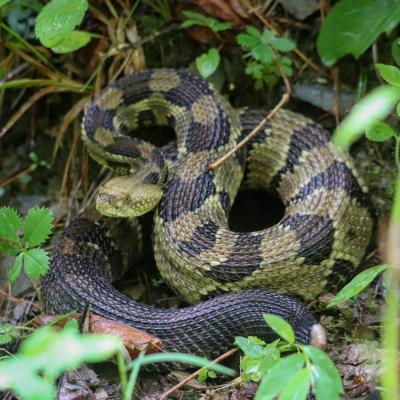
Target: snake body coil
column 320, row 241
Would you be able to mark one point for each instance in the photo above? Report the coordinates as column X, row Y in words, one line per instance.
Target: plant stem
column 397, row 152
column 390, row 331
column 122, row 373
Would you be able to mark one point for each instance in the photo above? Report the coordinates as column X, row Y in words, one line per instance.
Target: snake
column 230, row 278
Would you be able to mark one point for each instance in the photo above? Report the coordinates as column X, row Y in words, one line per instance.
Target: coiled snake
column 320, row 241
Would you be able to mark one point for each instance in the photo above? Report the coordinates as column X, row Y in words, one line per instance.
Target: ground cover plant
column 55, row 55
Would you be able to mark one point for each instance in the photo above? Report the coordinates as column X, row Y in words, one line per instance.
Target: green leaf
column 379, row 132
column 15, row 271
column 398, row 109
column 9, row 248
column 58, row 19
column 352, row 26
column 10, row 223
column 248, row 347
column 36, row 262
column 297, row 387
column 374, row 106
column 325, row 377
column 37, row 226
column 8, row 332
column 262, row 53
column 73, row 41
column 3, row 2
column 248, row 40
column 357, row 284
column 281, row 327
column 195, row 18
column 204, row 374
column 208, row 63
column 395, row 49
column 278, row 376
column 283, row 44
column 389, row 73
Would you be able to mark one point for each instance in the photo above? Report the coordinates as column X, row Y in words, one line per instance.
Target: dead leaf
column 133, row 339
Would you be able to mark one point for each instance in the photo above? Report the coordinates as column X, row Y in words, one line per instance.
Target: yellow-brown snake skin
column 319, row 242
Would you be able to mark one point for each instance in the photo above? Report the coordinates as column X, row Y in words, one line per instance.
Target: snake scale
column 318, row 243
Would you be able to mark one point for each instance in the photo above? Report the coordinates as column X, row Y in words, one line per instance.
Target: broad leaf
column 379, row 132
column 248, row 347
column 36, row 262
column 278, row 376
column 73, row 41
column 10, row 223
column 38, row 226
column 8, row 332
column 281, row 327
column 352, row 26
column 325, row 377
column 357, row 284
column 58, row 19
column 208, row 62
column 297, row 387
column 389, row 73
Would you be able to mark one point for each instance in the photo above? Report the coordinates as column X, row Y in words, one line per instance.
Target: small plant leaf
column 8, row 332
column 10, row 223
column 398, row 109
column 374, row 106
column 357, row 284
column 281, row 327
column 248, row 347
column 3, row 2
column 38, row 226
column 297, row 388
column 389, row 73
column 15, row 270
column 325, row 377
column 58, row 19
column 283, row 44
column 379, row 132
column 278, row 376
column 36, row 262
column 73, row 41
column 208, row 63
column 195, row 18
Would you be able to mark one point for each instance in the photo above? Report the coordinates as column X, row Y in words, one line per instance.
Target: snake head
column 123, row 197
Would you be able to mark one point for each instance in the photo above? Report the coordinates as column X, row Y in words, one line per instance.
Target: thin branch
column 285, row 98
column 194, row 374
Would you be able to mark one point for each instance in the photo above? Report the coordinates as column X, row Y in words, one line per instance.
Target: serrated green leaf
column 37, row 226
column 283, row 44
column 203, row 375
column 352, row 26
column 248, row 347
column 208, row 63
column 389, row 73
column 297, row 388
column 36, row 262
column 281, row 327
column 379, row 132
column 247, row 40
column 10, row 223
column 374, row 106
column 262, row 53
column 73, row 41
column 357, row 284
column 325, row 377
column 15, row 270
column 8, row 332
column 278, row 376
column 58, row 19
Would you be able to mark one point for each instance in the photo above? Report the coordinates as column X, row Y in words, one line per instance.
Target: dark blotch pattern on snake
column 319, row 242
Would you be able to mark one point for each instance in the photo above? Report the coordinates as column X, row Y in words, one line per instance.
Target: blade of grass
column 27, row 83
